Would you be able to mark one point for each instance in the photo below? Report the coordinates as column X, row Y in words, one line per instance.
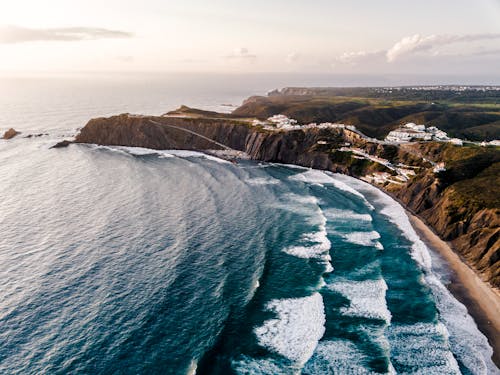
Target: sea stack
column 11, row 133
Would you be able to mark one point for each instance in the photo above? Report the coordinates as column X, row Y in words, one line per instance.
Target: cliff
column 460, row 204
column 301, row 147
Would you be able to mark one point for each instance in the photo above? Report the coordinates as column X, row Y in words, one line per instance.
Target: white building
column 407, row 135
column 456, row 141
column 282, row 121
column 495, row 142
column 413, row 132
column 413, row 126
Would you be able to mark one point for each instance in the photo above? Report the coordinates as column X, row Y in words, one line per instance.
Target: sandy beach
column 481, row 300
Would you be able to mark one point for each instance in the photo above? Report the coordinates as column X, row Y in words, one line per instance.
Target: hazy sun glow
column 291, row 36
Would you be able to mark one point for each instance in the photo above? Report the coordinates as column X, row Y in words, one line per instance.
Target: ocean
column 117, row 260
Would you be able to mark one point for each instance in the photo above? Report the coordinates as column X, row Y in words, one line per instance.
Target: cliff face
column 472, row 226
column 161, row 133
column 294, row 147
column 473, row 230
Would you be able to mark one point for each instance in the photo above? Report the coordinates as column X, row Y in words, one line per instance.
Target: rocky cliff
column 461, row 204
column 309, row 147
column 456, row 214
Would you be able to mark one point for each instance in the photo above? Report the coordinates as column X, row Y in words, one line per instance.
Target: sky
column 315, row 36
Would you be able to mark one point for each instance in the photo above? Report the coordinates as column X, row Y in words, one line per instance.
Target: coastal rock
column 36, row 135
column 62, row 144
column 11, row 133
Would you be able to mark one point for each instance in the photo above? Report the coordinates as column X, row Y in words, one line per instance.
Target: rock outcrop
column 11, row 133
column 62, row 144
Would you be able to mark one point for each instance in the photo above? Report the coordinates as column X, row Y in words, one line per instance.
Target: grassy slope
column 377, row 116
column 472, row 171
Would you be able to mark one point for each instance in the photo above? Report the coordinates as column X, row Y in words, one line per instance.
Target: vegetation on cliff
column 377, row 113
column 461, row 203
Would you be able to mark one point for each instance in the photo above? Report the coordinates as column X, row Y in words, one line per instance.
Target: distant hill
column 472, row 114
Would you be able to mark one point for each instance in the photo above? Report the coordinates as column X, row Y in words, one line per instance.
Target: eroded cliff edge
column 459, row 203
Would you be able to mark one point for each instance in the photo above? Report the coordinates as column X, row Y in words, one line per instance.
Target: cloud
column 353, row 58
column 16, row 34
column 417, row 43
column 241, row 54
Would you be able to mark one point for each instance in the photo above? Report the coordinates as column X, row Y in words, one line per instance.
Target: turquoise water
column 125, row 261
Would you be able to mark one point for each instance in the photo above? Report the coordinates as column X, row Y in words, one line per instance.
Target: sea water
column 126, row 260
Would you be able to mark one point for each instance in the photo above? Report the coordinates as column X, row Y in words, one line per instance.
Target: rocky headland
column 460, row 202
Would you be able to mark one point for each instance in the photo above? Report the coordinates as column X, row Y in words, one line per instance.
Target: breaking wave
column 313, row 176
column 141, row 151
column 366, row 298
column 364, row 239
column 338, row 357
column 459, row 330
column 297, row 328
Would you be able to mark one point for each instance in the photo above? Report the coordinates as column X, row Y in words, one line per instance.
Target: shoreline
column 481, row 300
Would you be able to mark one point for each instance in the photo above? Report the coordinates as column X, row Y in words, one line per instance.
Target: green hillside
column 376, row 116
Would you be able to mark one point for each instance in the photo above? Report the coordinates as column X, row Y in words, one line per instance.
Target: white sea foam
column 195, row 154
column 328, row 267
column 255, row 286
column 262, row 366
column 137, row 151
column 193, row 366
column 366, row 298
column 339, row 215
column 295, row 332
column 303, row 205
column 304, row 199
column 422, row 348
column 364, row 238
column 338, row 357
column 468, row 344
column 315, row 244
column 262, row 181
column 319, row 245
column 397, row 215
column 290, row 166
column 141, row 151
column 314, row 176
column 470, row 347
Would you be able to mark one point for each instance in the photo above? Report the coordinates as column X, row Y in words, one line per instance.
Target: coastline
column 481, row 300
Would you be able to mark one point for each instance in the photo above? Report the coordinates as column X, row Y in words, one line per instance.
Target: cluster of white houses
column 409, row 132
column 413, row 132
column 282, row 122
